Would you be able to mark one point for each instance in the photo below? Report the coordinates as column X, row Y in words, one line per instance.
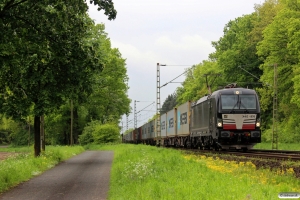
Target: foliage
column 109, row 99
column 106, row 102
column 280, row 47
column 106, row 133
column 195, row 84
column 42, row 52
column 169, row 103
column 45, row 57
column 98, row 133
column 236, row 50
column 13, row 132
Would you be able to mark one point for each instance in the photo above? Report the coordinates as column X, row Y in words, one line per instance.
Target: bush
column 106, row 133
column 98, row 133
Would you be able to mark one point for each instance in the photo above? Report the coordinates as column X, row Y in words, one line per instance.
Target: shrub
column 106, row 133
column 98, row 133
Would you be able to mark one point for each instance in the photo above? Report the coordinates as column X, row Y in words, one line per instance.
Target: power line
column 249, row 72
column 178, row 65
column 146, row 107
column 177, row 77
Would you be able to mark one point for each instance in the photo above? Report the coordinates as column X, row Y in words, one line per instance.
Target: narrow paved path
column 82, row 177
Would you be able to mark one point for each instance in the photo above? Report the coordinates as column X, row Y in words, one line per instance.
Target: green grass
column 145, row 172
column 24, row 165
column 281, row 146
column 23, row 149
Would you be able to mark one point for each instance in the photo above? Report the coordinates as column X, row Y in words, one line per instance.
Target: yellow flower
column 290, row 171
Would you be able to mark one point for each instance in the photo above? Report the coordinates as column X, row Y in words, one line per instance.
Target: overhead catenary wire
column 249, row 73
column 146, row 107
column 177, row 76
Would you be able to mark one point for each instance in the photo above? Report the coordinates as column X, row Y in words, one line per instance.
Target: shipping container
column 152, row 125
column 163, row 125
column 144, row 132
column 183, row 122
column 171, row 123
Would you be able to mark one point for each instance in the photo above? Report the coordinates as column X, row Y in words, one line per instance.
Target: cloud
column 185, row 42
column 186, row 49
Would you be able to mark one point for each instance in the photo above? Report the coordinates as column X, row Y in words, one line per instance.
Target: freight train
column 229, row 118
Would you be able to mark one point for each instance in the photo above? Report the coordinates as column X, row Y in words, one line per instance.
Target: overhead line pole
column 158, row 131
column 275, row 113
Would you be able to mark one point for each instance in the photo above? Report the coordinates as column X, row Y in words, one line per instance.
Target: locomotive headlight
column 219, row 123
column 257, row 123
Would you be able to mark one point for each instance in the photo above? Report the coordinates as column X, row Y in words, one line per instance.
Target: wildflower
column 290, row 171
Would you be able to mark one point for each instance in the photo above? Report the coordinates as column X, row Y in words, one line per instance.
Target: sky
column 176, row 33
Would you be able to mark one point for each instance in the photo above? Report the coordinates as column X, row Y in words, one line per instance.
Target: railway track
column 256, row 153
column 262, row 159
column 275, row 151
column 268, row 155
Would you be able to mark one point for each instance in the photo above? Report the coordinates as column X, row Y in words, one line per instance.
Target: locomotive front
column 238, row 118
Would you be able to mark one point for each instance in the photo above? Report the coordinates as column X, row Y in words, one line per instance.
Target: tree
column 236, row 50
column 281, row 45
column 195, row 85
column 169, row 103
column 109, row 99
column 43, row 55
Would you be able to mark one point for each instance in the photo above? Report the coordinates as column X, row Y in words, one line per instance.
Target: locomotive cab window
column 237, row 102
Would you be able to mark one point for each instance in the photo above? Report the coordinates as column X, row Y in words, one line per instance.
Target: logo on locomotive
column 249, row 116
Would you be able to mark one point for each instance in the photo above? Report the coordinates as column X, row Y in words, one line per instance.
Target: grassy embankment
column 145, row 172
column 24, row 165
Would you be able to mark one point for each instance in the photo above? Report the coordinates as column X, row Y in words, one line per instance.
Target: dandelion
column 290, row 171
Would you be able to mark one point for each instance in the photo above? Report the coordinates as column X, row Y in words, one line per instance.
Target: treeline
column 54, row 59
column 246, row 54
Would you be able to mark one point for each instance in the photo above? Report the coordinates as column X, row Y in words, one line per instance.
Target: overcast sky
column 177, row 33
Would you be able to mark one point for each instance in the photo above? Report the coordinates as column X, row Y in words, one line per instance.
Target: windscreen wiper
column 246, row 110
column 231, row 111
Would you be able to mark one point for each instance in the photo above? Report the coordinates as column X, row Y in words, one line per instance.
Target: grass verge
column 24, row 165
column 145, row 172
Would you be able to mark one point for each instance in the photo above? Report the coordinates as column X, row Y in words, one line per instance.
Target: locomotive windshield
column 237, row 102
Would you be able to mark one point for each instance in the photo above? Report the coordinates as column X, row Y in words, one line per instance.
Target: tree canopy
column 45, row 55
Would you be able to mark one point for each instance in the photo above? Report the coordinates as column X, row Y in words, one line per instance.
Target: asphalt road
column 83, row 177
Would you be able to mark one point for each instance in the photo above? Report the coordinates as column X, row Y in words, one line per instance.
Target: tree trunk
column 37, row 136
column 75, row 125
column 42, row 123
column 71, row 126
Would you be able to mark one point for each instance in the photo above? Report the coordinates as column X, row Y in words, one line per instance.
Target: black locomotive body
column 228, row 119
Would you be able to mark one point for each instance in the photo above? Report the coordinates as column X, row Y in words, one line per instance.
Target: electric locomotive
column 227, row 119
